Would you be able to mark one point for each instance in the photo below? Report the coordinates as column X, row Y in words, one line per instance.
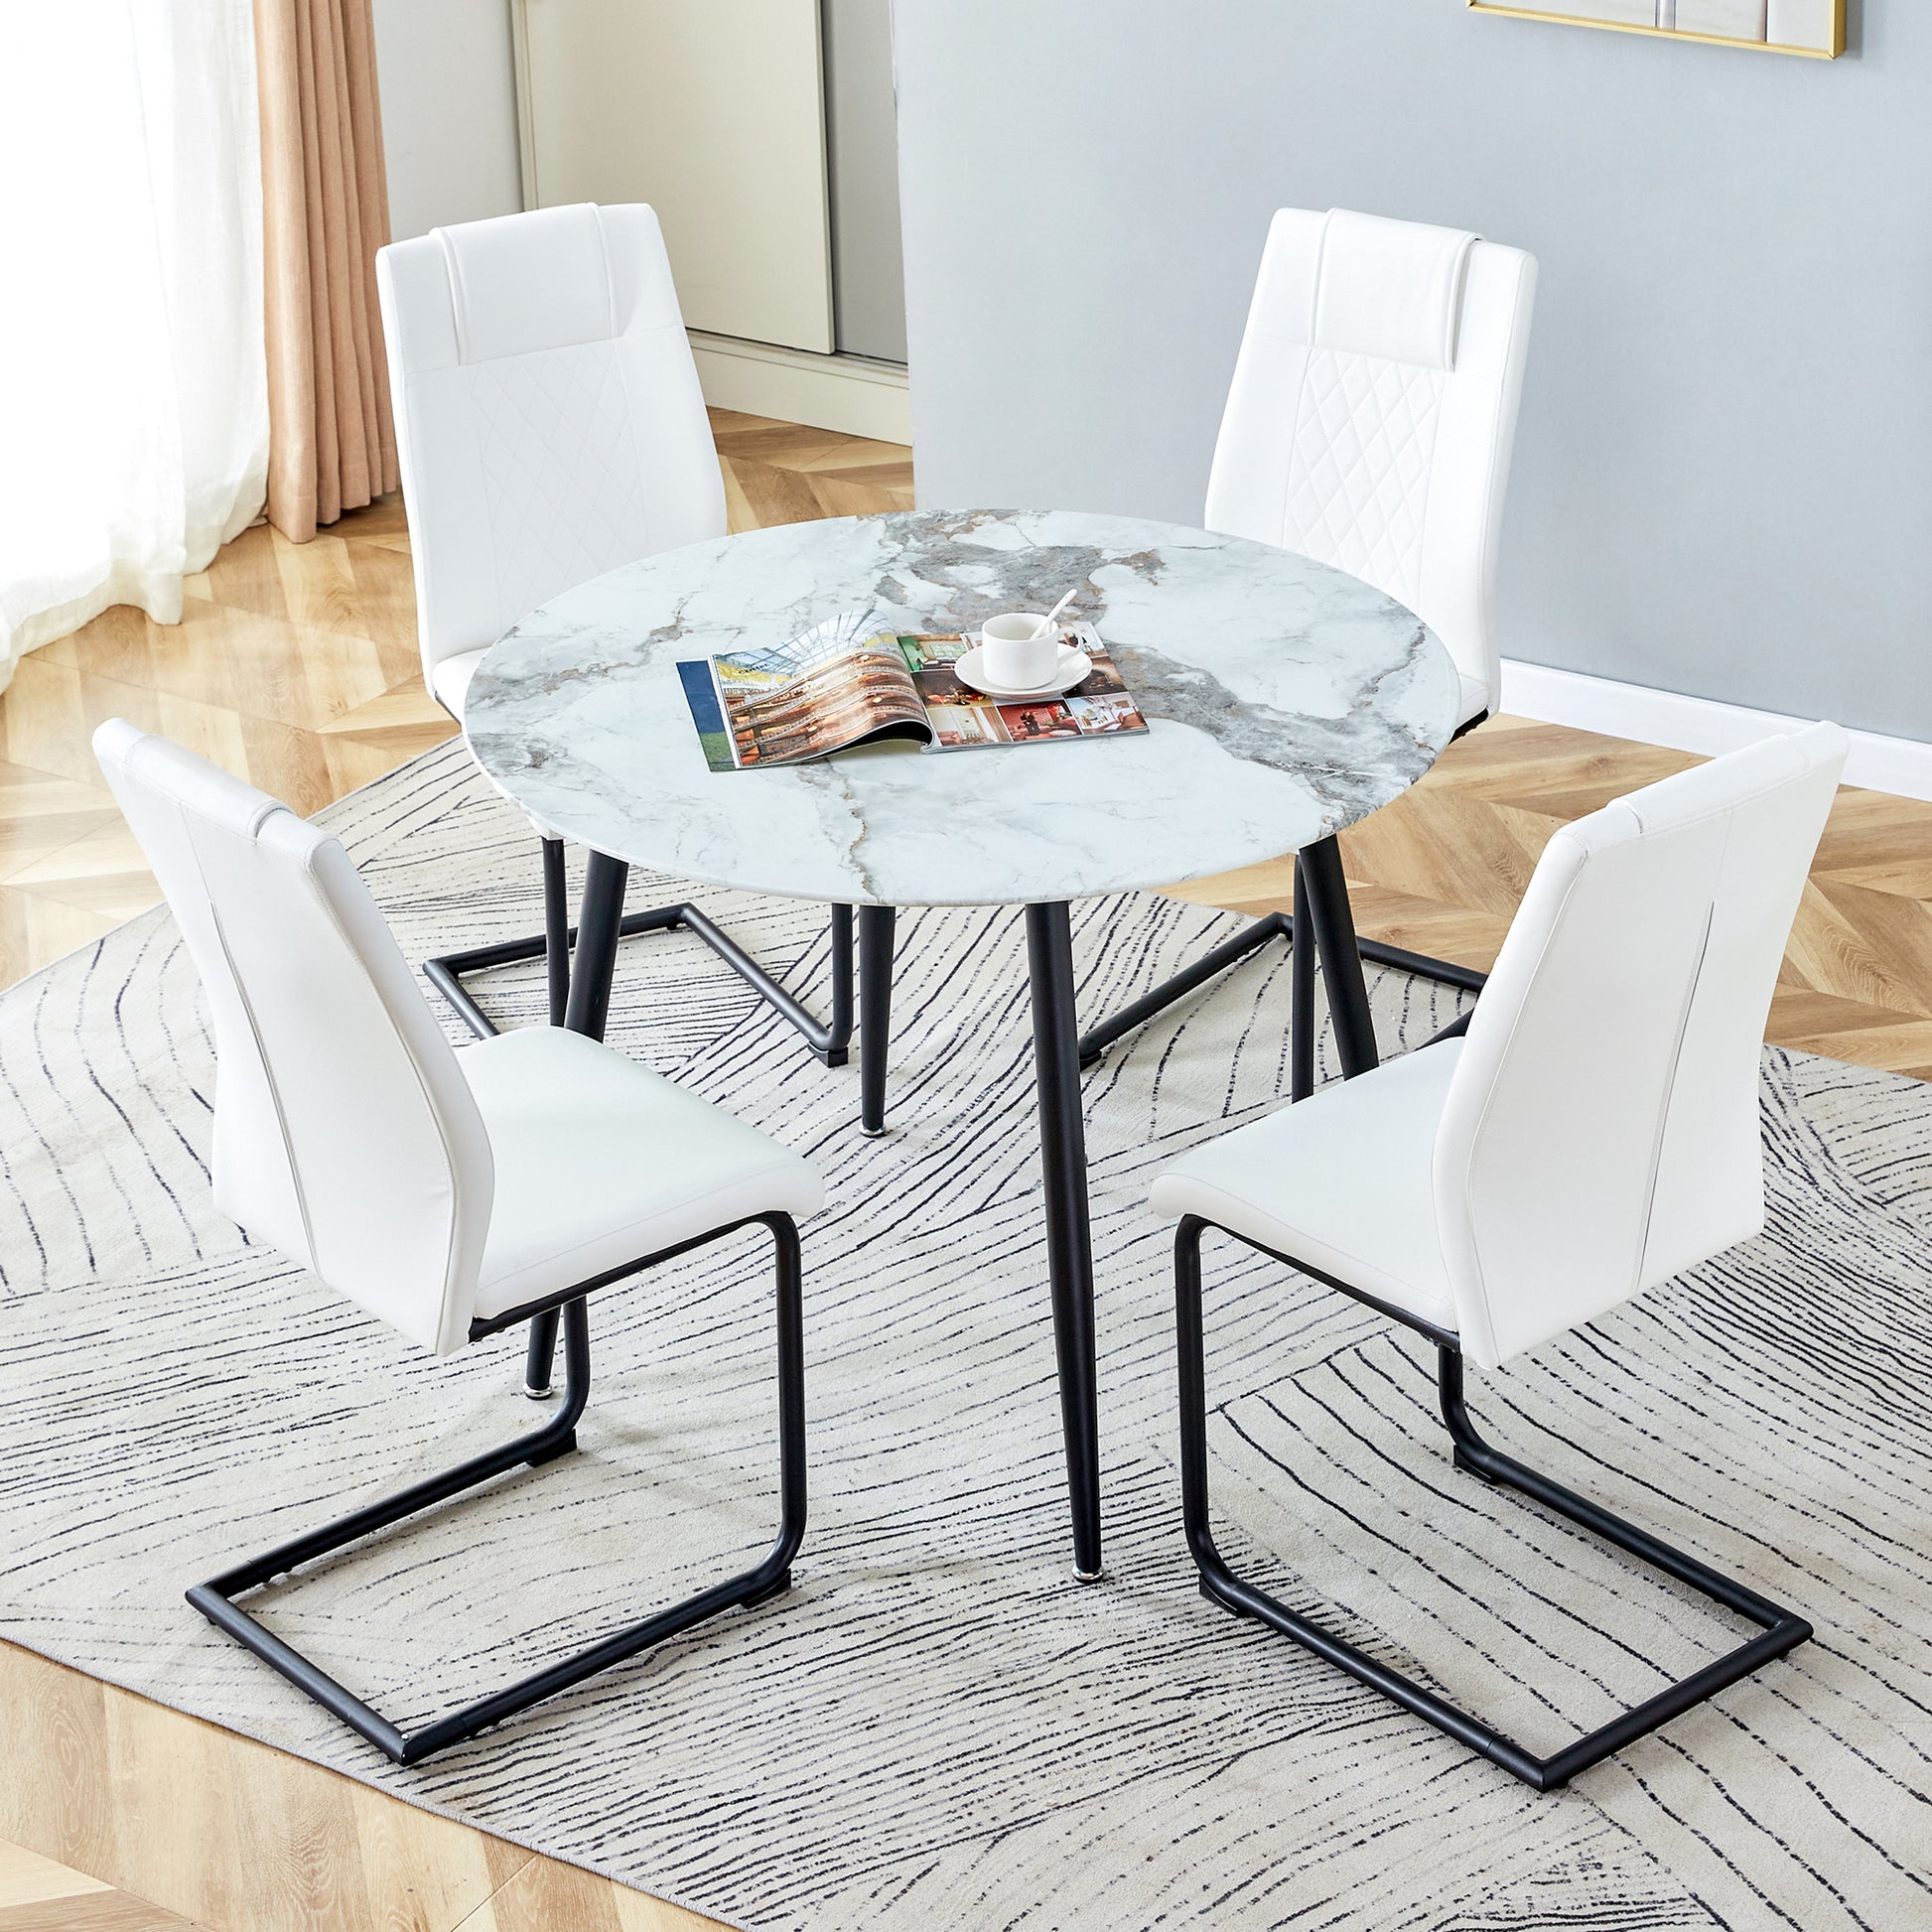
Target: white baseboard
column 841, row 392
column 1601, row 704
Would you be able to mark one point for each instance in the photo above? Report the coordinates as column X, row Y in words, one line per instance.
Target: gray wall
column 449, row 111
column 1724, row 472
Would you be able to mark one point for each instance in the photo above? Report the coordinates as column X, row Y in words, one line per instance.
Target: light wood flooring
column 177, row 1823
column 1441, row 871
column 296, row 668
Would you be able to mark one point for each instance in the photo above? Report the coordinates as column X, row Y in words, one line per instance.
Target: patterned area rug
column 937, row 1722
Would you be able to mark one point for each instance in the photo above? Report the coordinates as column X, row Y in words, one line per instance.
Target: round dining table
column 1285, row 700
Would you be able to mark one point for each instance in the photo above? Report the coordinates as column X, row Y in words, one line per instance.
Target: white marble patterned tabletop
column 1285, row 700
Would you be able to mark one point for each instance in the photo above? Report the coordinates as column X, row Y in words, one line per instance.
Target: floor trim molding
column 848, row 393
column 1903, row 766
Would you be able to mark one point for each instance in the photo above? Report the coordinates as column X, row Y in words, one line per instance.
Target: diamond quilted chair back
column 548, row 416
column 1372, row 412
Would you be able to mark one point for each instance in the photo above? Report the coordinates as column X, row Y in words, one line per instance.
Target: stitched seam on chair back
column 315, row 1259
column 557, row 454
column 453, row 274
column 262, row 1057
column 1465, row 1179
column 1661, row 1130
column 560, row 478
column 450, row 1163
column 1360, row 459
column 647, row 544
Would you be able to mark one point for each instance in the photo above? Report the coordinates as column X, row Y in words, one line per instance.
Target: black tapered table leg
column 1300, row 995
column 539, row 1358
column 1070, row 1239
column 596, row 959
column 585, row 1012
column 1320, row 865
column 875, row 1012
column 556, row 930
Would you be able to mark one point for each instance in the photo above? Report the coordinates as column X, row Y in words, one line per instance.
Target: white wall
column 1724, row 475
column 449, row 111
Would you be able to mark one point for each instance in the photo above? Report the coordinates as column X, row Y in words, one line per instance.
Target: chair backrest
column 1373, row 409
column 549, row 423
column 345, row 1132
column 1601, row 1128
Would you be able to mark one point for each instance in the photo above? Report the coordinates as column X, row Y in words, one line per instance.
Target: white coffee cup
column 1012, row 656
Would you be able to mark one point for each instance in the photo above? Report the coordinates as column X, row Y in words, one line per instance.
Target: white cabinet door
column 713, row 112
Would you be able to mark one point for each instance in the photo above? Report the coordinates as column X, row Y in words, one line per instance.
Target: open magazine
column 844, row 683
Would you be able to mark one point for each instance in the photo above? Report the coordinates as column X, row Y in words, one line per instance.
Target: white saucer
column 1073, row 666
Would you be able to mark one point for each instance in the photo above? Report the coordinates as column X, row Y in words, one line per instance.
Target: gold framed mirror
column 1813, row 28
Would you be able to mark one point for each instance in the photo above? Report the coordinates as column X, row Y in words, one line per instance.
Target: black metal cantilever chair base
column 1781, row 1630
column 557, row 1437
column 830, row 1040
column 1230, row 952
column 1321, row 915
column 1318, row 867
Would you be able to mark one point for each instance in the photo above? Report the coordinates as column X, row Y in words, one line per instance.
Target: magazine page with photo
column 846, row 683
column 840, row 684
column 963, row 718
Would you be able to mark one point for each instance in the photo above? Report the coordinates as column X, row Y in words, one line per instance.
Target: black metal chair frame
column 1782, row 1631
column 1321, row 906
column 830, row 1040
column 1322, row 913
column 557, row 1437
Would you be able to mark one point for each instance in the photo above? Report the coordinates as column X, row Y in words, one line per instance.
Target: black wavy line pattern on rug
column 938, row 1721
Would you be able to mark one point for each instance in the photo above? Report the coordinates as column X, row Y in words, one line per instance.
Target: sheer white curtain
column 133, row 397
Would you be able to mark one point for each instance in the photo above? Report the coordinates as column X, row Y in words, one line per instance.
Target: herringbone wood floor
column 296, row 668
column 1440, row 872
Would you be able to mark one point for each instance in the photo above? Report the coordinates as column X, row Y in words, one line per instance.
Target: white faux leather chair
column 1369, row 426
column 1372, row 415
column 1591, row 1130
column 452, row 1195
column 549, row 428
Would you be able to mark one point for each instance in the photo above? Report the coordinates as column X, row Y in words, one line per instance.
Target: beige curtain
column 325, row 213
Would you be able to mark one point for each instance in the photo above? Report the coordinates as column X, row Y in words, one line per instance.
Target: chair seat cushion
column 1340, row 1181
column 449, row 681
column 599, row 1162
